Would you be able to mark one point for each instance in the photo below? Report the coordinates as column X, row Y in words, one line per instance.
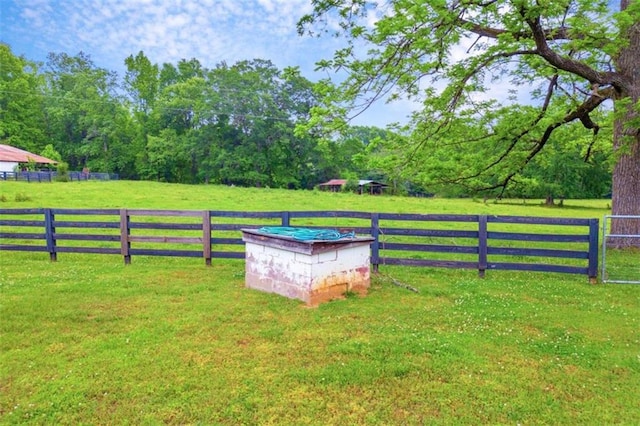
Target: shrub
column 352, row 185
column 20, row 197
column 63, row 172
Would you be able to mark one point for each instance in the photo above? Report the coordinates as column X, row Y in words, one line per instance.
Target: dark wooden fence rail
column 50, row 176
column 452, row 236
column 129, row 224
column 59, row 230
column 214, row 234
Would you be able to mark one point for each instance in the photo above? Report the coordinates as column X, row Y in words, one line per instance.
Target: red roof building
column 11, row 156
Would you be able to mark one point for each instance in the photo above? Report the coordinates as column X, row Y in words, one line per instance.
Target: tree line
column 251, row 124
column 232, row 124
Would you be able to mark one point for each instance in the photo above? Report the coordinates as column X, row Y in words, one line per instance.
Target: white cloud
column 166, row 30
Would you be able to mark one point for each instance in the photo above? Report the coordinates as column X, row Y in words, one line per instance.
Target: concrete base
column 311, row 271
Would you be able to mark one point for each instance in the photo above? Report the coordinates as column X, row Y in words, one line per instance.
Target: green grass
column 125, row 194
column 87, row 340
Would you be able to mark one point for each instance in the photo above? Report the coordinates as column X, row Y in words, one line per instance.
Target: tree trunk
column 626, row 198
column 626, row 144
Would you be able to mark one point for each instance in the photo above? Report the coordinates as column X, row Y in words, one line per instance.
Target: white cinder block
column 311, row 271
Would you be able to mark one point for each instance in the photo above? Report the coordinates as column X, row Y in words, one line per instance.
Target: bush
column 63, row 172
column 352, row 185
column 20, row 197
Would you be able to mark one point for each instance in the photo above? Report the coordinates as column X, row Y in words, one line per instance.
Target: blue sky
column 169, row 30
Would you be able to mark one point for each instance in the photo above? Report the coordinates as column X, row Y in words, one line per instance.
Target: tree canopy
column 22, row 120
column 562, row 62
column 231, row 124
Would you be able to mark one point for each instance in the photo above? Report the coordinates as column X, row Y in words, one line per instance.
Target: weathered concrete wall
column 312, row 278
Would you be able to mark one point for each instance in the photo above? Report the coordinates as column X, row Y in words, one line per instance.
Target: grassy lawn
column 125, row 194
column 87, row 340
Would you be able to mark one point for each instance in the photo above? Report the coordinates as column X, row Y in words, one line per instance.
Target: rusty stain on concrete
column 313, row 275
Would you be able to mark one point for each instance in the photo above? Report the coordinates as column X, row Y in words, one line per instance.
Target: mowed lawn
column 88, row 340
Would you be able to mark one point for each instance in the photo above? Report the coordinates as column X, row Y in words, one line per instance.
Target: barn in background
column 364, row 186
column 12, row 158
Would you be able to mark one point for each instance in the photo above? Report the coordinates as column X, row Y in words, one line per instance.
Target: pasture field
column 126, row 194
column 87, row 340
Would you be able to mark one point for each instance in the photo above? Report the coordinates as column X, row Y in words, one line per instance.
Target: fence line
column 51, row 176
column 616, row 273
column 481, row 242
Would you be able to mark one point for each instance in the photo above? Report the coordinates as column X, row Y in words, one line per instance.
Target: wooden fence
column 50, row 176
column 479, row 242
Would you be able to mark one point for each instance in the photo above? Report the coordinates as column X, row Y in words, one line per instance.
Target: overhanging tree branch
column 580, row 113
column 475, row 70
column 571, row 65
column 517, row 138
column 560, row 33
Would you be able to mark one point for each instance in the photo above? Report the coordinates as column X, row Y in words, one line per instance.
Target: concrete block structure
column 312, row 271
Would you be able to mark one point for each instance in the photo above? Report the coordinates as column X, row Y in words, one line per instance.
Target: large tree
column 258, row 107
column 571, row 57
column 21, row 100
column 87, row 122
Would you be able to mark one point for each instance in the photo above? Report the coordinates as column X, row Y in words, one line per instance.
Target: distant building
column 11, row 157
column 364, row 186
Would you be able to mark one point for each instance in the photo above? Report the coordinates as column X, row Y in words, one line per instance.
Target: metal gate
column 619, row 266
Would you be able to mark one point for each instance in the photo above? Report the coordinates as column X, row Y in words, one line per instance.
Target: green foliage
column 62, row 170
column 85, row 114
column 351, row 185
column 141, row 82
column 50, row 152
column 21, row 197
column 252, row 124
column 181, row 122
column 22, row 122
column 30, row 165
column 454, row 58
column 574, row 163
column 231, row 124
column 571, row 167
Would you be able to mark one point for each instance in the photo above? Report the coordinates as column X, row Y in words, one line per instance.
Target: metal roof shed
column 370, row 186
column 10, row 157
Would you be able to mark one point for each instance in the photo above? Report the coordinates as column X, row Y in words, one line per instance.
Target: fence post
column 375, row 246
column 206, row 237
column 125, row 245
column 592, row 271
column 49, row 231
column 482, row 245
column 286, row 219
